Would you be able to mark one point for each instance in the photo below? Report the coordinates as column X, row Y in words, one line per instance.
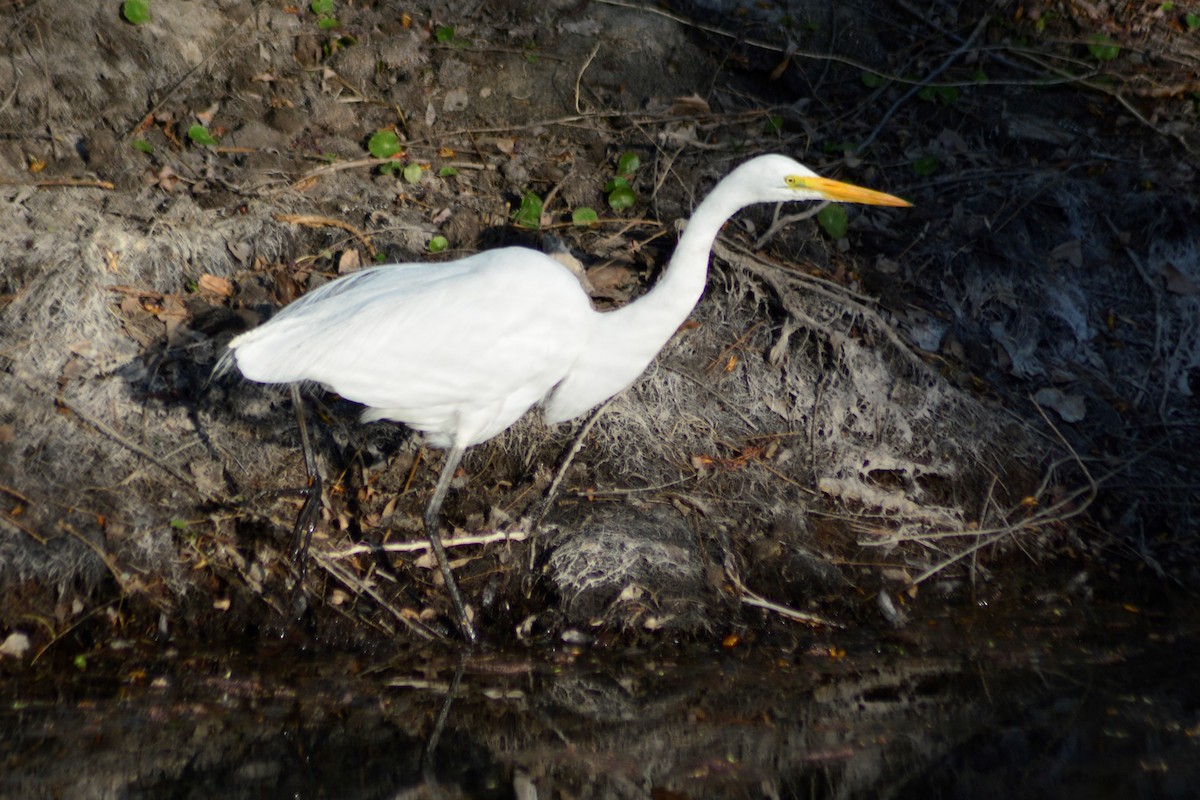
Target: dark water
column 1057, row 704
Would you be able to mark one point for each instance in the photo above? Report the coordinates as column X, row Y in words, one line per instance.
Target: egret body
column 460, row 351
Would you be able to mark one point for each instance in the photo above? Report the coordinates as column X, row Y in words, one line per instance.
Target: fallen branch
column 423, row 545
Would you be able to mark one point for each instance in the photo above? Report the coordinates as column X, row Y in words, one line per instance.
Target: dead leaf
column 1071, row 252
column 212, row 284
column 1177, row 282
column 349, row 261
column 689, row 106
column 1070, row 407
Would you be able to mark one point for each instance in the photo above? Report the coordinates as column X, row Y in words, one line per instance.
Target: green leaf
column 143, row 145
column 412, row 173
column 926, row 165
column 437, row 244
column 444, row 34
column 1166, row 7
column 628, row 164
column 200, row 135
column 1103, row 49
column 327, row 23
column 390, row 168
column 584, row 216
column 529, row 215
column 616, row 183
column 1192, row 21
column 384, row 144
column 871, row 80
column 80, row 662
column 833, row 220
column 447, row 172
column 621, row 197
column 774, row 124
column 136, row 12
column 320, row 7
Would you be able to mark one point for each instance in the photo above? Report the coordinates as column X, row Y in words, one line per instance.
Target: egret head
column 777, row 178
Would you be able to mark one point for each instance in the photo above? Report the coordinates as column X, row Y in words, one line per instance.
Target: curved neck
column 655, row 316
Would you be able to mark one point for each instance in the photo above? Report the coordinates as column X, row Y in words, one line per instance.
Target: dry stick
column 317, row 221
column 751, row 598
column 1156, row 293
column 928, row 79
column 423, row 545
column 351, row 582
column 586, row 428
column 70, row 182
column 25, row 529
column 141, row 451
column 579, row 76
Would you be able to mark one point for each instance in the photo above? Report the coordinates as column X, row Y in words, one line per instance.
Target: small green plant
column 200, row 135
column 584, row 217
column 412, row 173
column 926, row 166
column 445, row 35
column 833, row 220
column 136, row 12
column 529, row 215
column 872, row 80
column 1192, row 20
column 324, row 11
column 946, row 95
column 386, row 144
column 143, row 145
column 774, row 124
column 620, row 193
column 447, row 172
column 437, row 244
column 1103, row 49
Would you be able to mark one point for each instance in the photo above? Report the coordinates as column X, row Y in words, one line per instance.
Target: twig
column 351, row 582
column 421, row 546
column 928, row 79
column 317, row 221
column 25, row 529
column 49, row 182
column 756, row 600
column 576, row 445
column 579, row 77
column 128, row 445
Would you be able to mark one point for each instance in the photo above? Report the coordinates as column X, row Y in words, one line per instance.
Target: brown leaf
column 1177, row 282
column 212, row 284
column 689, row 106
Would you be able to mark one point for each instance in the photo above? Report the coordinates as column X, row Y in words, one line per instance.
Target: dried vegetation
column 1006, row 372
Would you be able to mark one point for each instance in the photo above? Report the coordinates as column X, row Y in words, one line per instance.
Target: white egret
column 460, row 351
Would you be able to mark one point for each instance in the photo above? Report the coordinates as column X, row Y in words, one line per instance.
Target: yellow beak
column 849, row 193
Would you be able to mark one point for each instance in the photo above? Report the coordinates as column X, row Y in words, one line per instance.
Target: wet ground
column 1052, row 700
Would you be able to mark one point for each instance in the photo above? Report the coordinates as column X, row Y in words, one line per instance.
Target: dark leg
column 306, row 522
column 432, row 512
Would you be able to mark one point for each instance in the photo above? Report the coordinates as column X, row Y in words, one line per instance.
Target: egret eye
column 793, row 181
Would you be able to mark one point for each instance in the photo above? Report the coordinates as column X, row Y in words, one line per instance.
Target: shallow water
column 971, row 705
